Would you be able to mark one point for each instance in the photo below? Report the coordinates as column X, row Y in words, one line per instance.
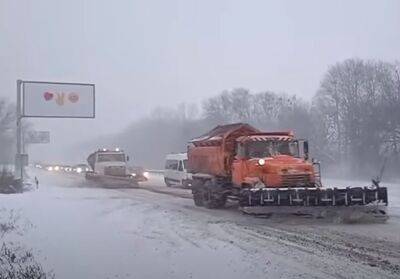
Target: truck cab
column 272, row 160
column 110, row 168
column 108, row 162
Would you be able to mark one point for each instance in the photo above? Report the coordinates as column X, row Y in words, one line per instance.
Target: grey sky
column 142, row 54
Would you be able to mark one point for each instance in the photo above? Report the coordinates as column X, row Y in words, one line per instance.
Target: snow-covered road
column 85, row 232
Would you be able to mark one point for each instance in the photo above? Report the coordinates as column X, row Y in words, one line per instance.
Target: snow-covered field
column 84, row 232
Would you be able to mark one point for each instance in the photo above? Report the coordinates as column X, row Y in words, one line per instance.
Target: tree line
column 352, row 122
column 358, row 108
column 7, row 132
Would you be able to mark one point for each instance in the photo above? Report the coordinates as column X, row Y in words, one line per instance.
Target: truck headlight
column 261, row 162
column 146, row 174
column 78, row 170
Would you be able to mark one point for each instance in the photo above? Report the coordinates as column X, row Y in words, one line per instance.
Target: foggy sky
column 143, row 54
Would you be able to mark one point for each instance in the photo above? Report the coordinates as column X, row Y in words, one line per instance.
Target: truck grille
column 296, row 180
column 115, row 171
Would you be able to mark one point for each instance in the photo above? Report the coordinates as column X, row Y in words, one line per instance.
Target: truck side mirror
column 305, row 146
column 127, row 158
column 303, row 149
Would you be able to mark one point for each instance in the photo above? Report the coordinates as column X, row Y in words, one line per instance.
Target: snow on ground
column 85, row 232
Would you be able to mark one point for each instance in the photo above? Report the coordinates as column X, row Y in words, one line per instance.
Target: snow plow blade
column 346, row 205
column 349, row 196
column 342, row 214
column 109, row 181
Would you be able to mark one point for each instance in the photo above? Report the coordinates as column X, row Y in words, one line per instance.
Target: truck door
column 174, row 171
column 238, row 165
column 180, row 172
column 171, row 167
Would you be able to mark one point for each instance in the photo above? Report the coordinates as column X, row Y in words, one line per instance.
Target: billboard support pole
column 18, row 161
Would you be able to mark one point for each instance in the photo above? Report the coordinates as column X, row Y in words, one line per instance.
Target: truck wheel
column 167, row 182
column 198, row 199
column 214, row 203
column 211, row 198
column 134, row 184
column 197, row 191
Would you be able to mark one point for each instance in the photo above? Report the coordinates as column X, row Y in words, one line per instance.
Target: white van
column 175, row 170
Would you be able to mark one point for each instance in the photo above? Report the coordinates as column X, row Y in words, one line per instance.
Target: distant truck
column 175, row 171
column 109, row 167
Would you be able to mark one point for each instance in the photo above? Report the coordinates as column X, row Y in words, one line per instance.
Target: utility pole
column 19, row 169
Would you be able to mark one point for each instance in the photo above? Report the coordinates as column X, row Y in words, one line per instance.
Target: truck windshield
column 262, row 149
column 117, row 157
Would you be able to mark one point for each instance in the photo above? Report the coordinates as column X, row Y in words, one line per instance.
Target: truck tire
column 197, row 191
column 89, row 175
column 212, row 199
column 167, row 183
column 134, row 184
column 198, row 199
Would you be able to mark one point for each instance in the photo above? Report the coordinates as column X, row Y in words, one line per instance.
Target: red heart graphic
column 48, row 96
column 73, row 97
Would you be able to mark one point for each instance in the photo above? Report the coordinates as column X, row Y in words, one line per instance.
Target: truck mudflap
column 310, row 197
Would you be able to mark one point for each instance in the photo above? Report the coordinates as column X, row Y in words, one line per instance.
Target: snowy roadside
column 86, row 232
column 103, row 233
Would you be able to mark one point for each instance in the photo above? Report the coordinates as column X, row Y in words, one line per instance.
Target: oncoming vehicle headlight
column 56, row 168
column 146, row 174
column 50, row 168
column 78, row 170
column 133, row 174
column 261, row 162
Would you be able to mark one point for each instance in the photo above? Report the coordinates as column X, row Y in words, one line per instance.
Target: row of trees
column 358, row 105
column 7, row 132
column 352, row 122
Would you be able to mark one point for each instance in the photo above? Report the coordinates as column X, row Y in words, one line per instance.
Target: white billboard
column 52, row 99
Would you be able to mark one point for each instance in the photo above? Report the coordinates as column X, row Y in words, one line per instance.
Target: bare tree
column 359, row 102
column 7, row 124
column 353, row 119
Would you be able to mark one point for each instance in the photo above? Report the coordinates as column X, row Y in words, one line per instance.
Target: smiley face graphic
column 73, row 97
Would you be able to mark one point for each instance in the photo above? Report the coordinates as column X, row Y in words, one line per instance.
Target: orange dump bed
column 213, row 152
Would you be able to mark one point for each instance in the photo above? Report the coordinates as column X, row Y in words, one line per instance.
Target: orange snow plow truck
column 261, row 169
